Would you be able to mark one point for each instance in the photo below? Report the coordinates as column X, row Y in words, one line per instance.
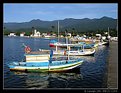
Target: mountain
column 84, row 24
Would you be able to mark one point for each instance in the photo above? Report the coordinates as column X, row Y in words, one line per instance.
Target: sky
column 25, row 12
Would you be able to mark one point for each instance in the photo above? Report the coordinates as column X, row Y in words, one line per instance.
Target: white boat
column 77, row 52
column 81, row 52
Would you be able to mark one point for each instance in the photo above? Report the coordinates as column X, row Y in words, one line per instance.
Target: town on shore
column 37, row 34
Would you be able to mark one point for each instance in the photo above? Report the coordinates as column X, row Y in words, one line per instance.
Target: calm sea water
column 92, row 72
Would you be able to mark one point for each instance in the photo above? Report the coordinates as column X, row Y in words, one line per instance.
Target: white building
column 54, row 35
column 22, row 34
column 12, row 34
column 99, row 35
column 103, row 37
column 114, row 38
column 68, row 34
column 44, row 34
column 36, row 34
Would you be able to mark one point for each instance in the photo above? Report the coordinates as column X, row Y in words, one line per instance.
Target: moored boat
column 45, row 63
column 55, row 66
column 79, row 49
column 86, row 52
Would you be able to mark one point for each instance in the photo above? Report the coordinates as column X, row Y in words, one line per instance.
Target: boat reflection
column 49, row 80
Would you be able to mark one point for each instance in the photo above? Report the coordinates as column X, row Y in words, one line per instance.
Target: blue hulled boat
column 45, row 63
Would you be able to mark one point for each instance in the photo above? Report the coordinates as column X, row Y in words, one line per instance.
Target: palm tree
column 53, row 27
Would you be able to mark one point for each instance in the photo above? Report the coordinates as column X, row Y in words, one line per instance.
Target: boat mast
column 68, row 48
column 58, row 31
column 108, row 31
column 83, row 47
column 66, row 39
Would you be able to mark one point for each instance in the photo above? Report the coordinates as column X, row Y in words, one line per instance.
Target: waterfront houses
column 12, row 34
column 22, row 34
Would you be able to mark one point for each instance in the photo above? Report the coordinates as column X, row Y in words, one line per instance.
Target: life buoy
column 27, row 49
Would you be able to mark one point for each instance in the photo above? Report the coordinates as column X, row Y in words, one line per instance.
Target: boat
column 80, row 49
column 53, row 43
column 44, row 63
column 81, row 53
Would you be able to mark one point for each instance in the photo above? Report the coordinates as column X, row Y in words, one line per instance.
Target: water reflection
column 89, row 75
column 50, row 80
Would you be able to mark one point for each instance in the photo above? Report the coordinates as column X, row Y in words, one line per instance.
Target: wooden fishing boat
column 85, row 52
column 44, row 66
column 79, row 49
column 45, row 63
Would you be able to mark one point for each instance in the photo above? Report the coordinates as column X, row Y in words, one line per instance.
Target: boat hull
column 50, row 68
column 76, row 53
column 52, row 45
column 81, row 53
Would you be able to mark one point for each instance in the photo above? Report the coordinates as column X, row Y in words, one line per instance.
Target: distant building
column 61, row 36
column 36, row 34
column 12, row 34
column 44, row 34
column 68, row 34
column 22, row 34
column 114, row 39
column 54, row 35
column 103, row 37
column 99, row 35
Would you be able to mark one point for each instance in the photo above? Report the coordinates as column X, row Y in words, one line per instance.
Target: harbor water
column 92, row 73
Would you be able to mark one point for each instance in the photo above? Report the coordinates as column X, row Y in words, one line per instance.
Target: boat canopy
column 53, row 41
